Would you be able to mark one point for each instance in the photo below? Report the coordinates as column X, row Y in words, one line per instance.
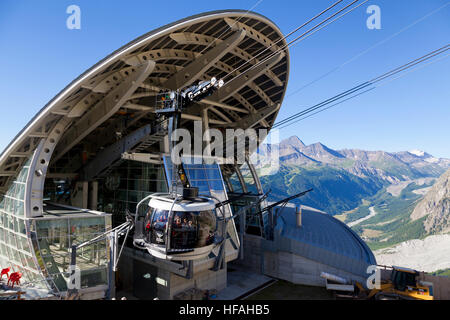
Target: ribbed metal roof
column 324, row 239
column 118, row 93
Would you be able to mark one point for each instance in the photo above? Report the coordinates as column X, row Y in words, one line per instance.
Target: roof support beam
column 109, row 155
column 201, row 39
column 250, row 107
column 21, row 154
column 198, row 118
column 159, row 54
column 38, row 135
column 220, row 114
column 200, row 65
column 253, row 118
column 139, row 107
column 223, row 105
column 142, row 157
column 103, row 110
column 252, row 33
column 248, row 76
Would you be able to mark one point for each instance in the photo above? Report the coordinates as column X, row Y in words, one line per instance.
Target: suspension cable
column 286, row 36
column 368, row 50
column 370, row 89
column 302, row 37
column 368, row 85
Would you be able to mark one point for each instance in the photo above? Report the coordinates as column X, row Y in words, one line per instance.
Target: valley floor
column 372, row 214
column 429, row 255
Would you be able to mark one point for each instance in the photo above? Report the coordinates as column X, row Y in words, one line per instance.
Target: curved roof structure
column 324, row 239
column 117, row 96
column 109, row 113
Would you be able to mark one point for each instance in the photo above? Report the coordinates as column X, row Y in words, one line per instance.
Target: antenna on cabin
column 173, row 103
column 181, row 225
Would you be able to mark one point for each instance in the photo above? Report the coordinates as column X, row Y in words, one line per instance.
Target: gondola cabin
column 180, row 229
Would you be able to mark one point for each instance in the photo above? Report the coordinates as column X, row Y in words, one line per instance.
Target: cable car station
column 89, row 184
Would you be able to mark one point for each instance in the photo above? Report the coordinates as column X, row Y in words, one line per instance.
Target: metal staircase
column 142, row 146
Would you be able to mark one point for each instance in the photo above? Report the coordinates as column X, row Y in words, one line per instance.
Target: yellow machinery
column 404, row 284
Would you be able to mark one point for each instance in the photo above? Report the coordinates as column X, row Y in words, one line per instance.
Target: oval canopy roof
column 117, row 96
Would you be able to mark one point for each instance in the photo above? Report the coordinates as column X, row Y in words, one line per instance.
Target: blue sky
column 39, row 56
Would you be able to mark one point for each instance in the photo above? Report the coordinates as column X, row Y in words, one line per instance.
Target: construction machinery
column 403, row 284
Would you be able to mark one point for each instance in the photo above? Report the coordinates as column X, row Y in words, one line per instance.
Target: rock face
column 429, row 255
column 435, row 206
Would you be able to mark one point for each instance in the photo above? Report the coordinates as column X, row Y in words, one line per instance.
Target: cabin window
column 193, row 229
column 155, row 226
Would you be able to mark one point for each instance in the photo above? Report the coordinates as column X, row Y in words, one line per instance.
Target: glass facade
column 248, row 179
column 126, row 185
column 39, row 248
column 55, row 238
column 235, row 184
column 15, row 249
column 208, row 178
column 256, row 223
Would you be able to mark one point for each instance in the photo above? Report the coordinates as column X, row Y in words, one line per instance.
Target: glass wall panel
column 15, row 249
column 55, row 239
column 126, row 185
column 235, row 183
column 207, row 177
column 248, row 179
column 256, row 223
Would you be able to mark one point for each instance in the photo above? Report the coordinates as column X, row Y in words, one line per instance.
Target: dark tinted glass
column 155, row 225
column 193, row 229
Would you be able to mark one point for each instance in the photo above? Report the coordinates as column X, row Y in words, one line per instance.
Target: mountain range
column 341, row 179
column 398, row 202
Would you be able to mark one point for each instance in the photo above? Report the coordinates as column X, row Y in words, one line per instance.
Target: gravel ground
column 430, row 254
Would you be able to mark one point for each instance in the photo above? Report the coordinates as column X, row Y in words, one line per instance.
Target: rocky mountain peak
column 435, row 206
column 293, row 141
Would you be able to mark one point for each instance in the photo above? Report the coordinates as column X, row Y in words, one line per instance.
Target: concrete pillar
column 205, row 121
column 93, row 196
column 80, row 195
column 242, row 221
column 298, row 213
column 85, row 194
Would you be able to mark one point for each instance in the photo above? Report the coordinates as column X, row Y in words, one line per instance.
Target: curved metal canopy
column 116, row 97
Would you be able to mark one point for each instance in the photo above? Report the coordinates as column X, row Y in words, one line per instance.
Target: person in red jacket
column 14, row 278
column 5, row 272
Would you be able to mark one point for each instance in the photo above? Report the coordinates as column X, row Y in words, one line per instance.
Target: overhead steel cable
column 292, row 43
column 329, row 107
column 411, row 63
column 302, row 37
column 370, row 89
column 365, row 91
column 412, row 70
column 368, row 84
column 285, row 37
column 323, row 103
column 367, row 50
